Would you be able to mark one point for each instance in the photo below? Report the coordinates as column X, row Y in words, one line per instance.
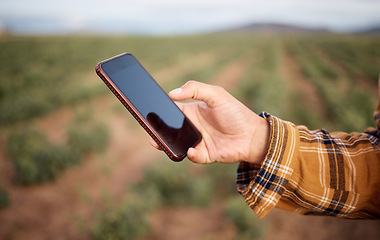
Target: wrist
column 260, row 141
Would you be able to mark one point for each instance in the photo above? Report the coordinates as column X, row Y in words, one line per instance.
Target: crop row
column 349, row 106
column 36, row 160
column 172, row 185
column 42, row 74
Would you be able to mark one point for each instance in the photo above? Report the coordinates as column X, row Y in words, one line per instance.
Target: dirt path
column 231, row 74
column 190, row 224
column 290, row 70
column 190, row 64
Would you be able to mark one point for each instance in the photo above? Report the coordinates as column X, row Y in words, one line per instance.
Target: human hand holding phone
column 230, row 131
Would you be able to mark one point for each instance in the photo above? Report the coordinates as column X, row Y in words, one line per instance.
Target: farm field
column 75, row 165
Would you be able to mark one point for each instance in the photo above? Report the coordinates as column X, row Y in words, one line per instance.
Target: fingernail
column 175, row 91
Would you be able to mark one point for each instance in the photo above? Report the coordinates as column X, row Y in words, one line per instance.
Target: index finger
column 210, row 94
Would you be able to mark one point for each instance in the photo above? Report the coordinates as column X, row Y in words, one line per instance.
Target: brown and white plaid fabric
column 315, row 172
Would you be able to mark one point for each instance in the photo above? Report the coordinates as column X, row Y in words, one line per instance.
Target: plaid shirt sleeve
column 315, row 173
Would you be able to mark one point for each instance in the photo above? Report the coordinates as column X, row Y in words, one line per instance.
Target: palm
column 225, row 137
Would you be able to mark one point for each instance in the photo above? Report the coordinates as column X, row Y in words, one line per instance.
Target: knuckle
column 190, row 83
column 220, row 90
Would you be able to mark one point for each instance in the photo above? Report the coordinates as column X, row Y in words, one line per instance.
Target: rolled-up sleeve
column 314, row 173
column 262, row 186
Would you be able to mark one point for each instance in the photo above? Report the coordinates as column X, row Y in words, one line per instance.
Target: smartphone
column 149, row 105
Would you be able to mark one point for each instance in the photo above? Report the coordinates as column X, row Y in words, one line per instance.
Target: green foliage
column 128, row 221
column 301, row 115
column 88, row 138
column 35, row 160
column 164, row 184
column 39, row 75
column 262, row 88
column 247, row 223
column 349, row 108
column 176, row 185
column 358, row 55
column 84, row 135
column 171, row 184
column 4, row 197
column 222, row 177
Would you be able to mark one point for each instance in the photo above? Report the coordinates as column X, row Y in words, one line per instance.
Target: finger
column 197, row 156
column 210, row 94
column 154, row 144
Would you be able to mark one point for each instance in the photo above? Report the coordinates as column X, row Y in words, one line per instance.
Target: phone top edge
column 99, row 64
column 117, row 56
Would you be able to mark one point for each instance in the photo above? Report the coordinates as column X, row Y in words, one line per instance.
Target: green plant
column 36, row 160
column 247, row 223
column 176, row 185
column 4, row 197
column 349, row 108
column 164, row 184
column 84, row 137
column 128, row 221
column 222, row 177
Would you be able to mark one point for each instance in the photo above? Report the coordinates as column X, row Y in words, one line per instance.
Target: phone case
column 134, row 112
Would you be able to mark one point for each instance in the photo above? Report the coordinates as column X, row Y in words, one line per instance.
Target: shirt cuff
column 262, row 186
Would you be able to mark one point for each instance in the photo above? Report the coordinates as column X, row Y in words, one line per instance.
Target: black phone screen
column 150, row 100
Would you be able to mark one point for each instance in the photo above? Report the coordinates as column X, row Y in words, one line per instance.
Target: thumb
column 197, row 156
column 210, row 94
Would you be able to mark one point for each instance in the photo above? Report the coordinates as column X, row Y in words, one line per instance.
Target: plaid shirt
column 315, row 172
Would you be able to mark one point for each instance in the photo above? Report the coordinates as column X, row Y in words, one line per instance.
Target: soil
column 291, row 72
column 66, row 208
column 187, row 224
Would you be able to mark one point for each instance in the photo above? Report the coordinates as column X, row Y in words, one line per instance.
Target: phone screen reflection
column 179, row 138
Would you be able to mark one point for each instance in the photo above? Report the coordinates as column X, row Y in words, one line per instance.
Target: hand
column 230, row 131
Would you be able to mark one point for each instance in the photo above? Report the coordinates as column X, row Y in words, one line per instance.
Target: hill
column 371, row 30
column 276, row 28
column 293, row 29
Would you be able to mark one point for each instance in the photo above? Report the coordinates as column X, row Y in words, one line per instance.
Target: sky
column 181, row 16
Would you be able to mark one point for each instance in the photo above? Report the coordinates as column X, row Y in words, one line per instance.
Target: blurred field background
column 75, row 165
